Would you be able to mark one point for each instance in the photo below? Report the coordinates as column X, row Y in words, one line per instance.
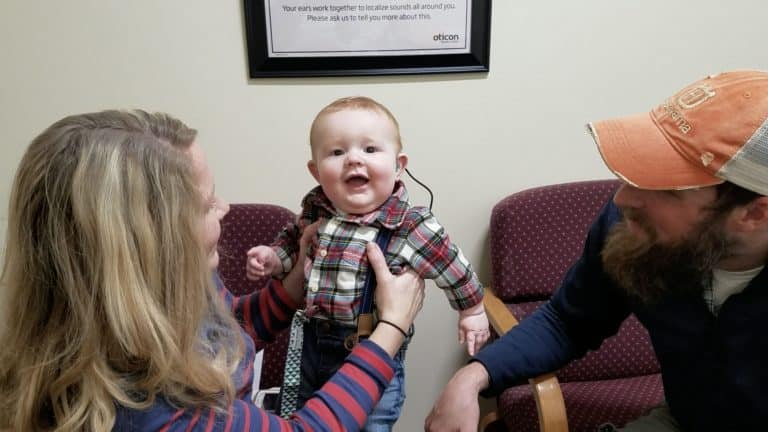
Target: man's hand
column 457, row 409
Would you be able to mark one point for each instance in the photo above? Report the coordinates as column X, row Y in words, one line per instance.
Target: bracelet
column 405, row 335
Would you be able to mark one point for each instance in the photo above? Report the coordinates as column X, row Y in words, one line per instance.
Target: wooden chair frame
column 550, row 404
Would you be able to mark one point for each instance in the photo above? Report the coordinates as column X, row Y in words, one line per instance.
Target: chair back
column 535, row 236
column 245, row 226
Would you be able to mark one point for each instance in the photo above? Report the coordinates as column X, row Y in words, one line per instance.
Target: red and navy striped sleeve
column 342, row 404
column 263, row 313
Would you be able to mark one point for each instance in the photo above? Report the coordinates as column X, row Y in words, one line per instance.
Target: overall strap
column 365, row 316
column 292, row 372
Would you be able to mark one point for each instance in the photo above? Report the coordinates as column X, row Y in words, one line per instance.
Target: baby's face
column 355, row 157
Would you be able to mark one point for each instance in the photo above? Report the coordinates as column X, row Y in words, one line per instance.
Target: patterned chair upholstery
column 535, row 236
column 245, row 226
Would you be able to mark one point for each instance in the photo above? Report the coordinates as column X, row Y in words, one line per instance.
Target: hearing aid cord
column 429, row 191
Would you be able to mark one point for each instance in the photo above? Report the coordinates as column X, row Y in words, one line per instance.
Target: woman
column 116, row 320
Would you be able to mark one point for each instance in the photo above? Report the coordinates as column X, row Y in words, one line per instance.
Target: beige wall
column 473, row 138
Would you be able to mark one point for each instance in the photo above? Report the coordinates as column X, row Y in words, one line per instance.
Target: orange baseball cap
column 712, row 131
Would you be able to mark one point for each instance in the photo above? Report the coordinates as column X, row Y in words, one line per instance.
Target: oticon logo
column 442, row 37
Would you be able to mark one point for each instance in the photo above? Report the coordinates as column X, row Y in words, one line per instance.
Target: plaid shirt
column 335, row 273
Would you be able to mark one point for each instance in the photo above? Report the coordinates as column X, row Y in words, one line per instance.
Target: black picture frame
column 260, row 65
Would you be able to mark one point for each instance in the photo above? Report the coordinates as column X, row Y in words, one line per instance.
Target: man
column 683, row 246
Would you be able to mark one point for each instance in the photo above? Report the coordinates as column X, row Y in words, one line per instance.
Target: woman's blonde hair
column 108, row 293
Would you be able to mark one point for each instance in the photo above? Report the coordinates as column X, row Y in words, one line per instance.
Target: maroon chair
column 245, row 226
column 535, row 236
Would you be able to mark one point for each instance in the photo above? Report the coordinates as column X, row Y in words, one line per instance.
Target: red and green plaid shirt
column 335, row 273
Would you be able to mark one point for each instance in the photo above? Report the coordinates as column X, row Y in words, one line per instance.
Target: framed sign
column 291, row 38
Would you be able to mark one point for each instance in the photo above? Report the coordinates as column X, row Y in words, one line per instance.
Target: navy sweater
column 714, row 369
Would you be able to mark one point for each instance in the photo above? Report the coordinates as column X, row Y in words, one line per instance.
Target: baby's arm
column 473, row 328
column 278, row 258
column 262, row 261
column 441, row 260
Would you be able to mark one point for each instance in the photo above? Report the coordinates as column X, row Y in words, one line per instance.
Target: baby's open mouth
column 356, row 180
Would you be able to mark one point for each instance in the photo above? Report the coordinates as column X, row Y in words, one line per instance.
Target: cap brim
column 637, row 152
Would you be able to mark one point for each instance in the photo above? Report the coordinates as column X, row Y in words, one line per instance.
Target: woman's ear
column 401, row 162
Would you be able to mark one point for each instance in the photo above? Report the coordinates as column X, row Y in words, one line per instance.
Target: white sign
column 341, row 28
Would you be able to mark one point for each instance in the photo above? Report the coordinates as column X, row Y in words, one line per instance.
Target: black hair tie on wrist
column 405, row 335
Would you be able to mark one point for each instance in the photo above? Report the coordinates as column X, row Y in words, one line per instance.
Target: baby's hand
column 262, row 261
column 473, row 328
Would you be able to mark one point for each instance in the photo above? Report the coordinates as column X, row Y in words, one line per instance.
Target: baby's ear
column 401, row 163
column 312, row 166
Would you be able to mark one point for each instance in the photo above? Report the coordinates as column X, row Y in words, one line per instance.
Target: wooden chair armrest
column 488, row 420
column 546, row 389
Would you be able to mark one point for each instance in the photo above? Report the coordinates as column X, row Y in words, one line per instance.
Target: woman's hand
column 398, row 300
column 294, row 280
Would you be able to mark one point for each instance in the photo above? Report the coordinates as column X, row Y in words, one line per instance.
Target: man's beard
column 652, row 271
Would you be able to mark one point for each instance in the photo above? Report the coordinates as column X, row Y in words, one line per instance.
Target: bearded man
column 682, row 245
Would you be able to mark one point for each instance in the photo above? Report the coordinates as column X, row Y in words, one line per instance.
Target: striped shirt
column 342, row 404
column 335, row 273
